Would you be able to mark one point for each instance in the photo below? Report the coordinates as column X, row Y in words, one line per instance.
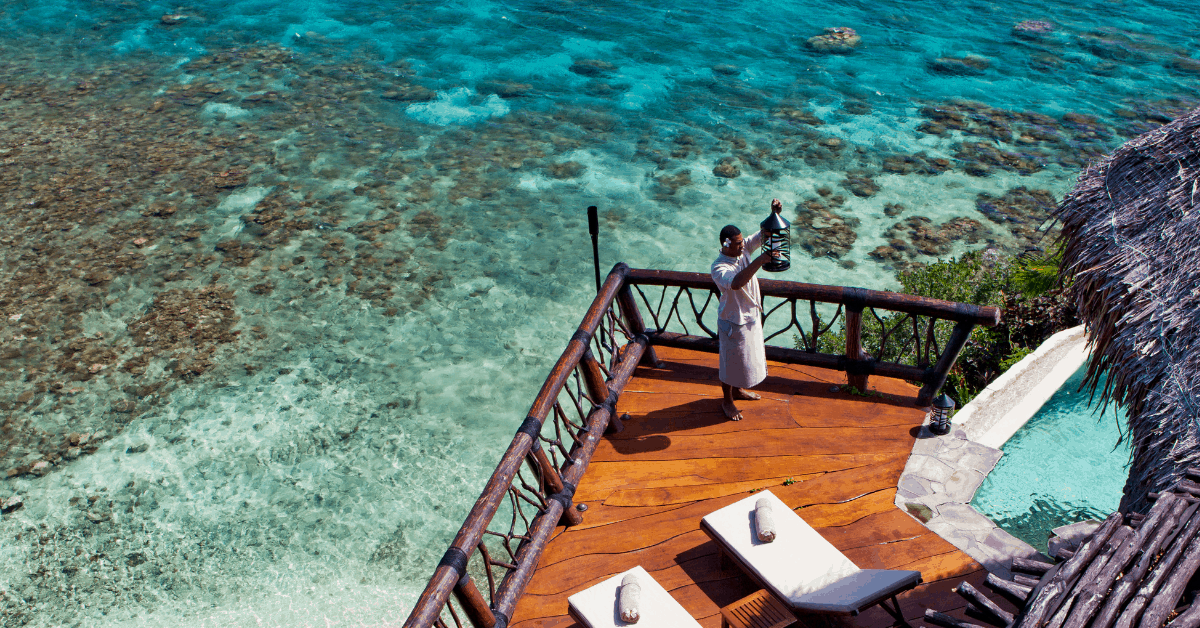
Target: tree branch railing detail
column 909, row 337
column 532, row 489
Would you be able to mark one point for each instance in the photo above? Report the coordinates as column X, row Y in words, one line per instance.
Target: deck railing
column 531, row 491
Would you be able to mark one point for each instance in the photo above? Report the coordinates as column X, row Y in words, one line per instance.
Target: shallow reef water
column 279, row 280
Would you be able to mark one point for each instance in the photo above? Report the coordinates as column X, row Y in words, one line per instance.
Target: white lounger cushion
column 597, row 605
column 800, row 566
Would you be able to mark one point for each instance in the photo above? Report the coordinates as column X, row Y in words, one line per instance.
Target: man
column 739, row 317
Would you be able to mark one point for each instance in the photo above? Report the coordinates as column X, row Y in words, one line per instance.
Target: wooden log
column 1072, row 601
column 1034, row 567
column 1169, row 594
column 935, row 377
column 1048, row 600
column 1187, row 619
column 854, row 350
column 552, row 483
column 1094, row 591
column 1025, row 580
column 1015, row 593
column 633, row 320
column 1192, row 472
column 598, row 390
column 1124, row 589
column 514, row 583
column 439, row 588
column 1064, row 554
column 974, row 612
column 946, row 621
column 981, row 601
column 473, row 604
column 894, row 301
column 1176, row 543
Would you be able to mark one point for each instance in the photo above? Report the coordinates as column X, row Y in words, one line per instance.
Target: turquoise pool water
column 280, row 279
column 1065, row 465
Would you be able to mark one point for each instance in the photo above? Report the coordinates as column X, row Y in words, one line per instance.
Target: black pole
column 594, row 229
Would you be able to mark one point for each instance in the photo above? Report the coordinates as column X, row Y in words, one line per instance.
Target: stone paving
column 936, row 489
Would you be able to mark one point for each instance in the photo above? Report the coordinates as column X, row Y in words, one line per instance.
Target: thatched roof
column 1132, row 232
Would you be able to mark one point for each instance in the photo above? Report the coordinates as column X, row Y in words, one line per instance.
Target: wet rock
column 727, row 169
column 726, row 69
column 1033, row 29
column 860, row 184
column 98, row 517
column 856, row 107
column 918, row 163
column 835, row 40
column 667, row 185
column 1186, row 65
column 917, row 235
column 12, row 504
column 969, row 65
column 797, row 114
column 507, row 89
column 592, row 67
column 978, row 159
column 40, row 468
column 822, row 232
column 566, row 170
column 138, row 448
column 409, row 93
column 172, row 19
column 893, row 209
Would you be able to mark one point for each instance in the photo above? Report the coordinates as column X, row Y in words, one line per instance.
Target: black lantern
column 777, row 236
column 943, row 408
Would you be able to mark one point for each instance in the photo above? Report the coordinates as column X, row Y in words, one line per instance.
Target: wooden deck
column 679, row 459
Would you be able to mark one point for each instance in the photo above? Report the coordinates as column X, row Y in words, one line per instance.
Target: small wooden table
column 757, row 610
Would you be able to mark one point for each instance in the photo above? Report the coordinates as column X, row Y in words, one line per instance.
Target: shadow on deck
column 834, row 457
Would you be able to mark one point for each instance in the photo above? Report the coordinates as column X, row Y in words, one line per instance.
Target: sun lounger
column 801, row 568
column 596, row 606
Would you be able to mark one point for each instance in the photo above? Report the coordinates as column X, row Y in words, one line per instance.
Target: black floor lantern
column 943, row 409
column 777, row 236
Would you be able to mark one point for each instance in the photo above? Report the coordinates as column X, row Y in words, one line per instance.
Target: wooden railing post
column 552, row 483
column 473, row 604
column 633, row 318
column 598, row 390
column 935, row 377
column 854, row 352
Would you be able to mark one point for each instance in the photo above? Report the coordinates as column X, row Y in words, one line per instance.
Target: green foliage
column 1024, row 289
column 1017, row 355
column 1036, row 275
column 789, row 482
column 972, row 278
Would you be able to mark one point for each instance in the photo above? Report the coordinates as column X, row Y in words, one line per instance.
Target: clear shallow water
column 1065, row 465
column 392, row 198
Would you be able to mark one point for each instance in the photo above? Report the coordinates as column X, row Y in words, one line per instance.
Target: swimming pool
column 1065, row 465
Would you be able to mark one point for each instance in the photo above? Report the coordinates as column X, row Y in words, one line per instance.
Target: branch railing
column 532, row 489
column 879, row 333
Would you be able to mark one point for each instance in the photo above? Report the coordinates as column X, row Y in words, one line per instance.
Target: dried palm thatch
column 1131, row 228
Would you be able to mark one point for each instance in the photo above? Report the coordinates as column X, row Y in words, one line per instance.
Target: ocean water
column 1069, row 463
column 280, row 280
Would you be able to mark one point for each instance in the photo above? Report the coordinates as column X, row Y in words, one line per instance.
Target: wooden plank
column 847, row 512
column 663, row 413
column 598, row 514
column 842, row 486
column 685, row 494
column 882, row 527
column 602, row 477
column 940, row 566
column 757, row 443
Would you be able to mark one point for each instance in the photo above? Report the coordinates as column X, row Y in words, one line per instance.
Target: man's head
column 731, row 241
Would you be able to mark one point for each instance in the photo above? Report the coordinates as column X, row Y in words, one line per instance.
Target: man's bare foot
column 742, row 393
column 731, row 412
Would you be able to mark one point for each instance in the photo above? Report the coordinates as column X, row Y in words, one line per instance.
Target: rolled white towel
column 764, row 521
column 628, row 603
